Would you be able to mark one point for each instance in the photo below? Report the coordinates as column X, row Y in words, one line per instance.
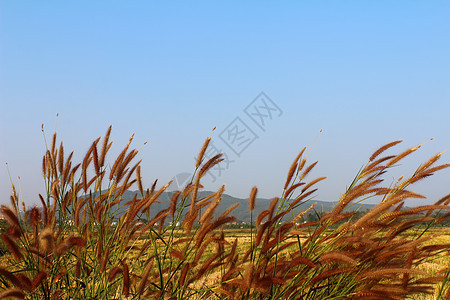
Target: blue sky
column 366, row 72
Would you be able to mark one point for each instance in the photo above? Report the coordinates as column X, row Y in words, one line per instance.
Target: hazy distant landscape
column 241, row 212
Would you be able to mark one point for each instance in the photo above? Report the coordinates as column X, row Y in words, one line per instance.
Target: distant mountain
column 242, row 212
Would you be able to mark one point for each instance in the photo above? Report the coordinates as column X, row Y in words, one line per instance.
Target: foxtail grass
column 86, row 242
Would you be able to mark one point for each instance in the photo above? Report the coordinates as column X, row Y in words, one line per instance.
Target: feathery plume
column 143, row 281
column 290, row 174
column 40, row 276
column 95, row 158
column 61, row 158
column 401, row 156
column 12, row 247
column 46, row 240
column 114, row 272
column 202, row 152
column 10, row 216
column 337, row 257
column 312, row 183
column 292, row 188
column 209, row 164
column 294, row 167
column 126, row 279
column 12, row 293
column 173, row 203
column 105, row 147
column 139, row 179
column 53, row 148
column 14, row 279
column 382, row 149
column 249, row 276
column 183, row 274
column 308, row 169
column 388, row 271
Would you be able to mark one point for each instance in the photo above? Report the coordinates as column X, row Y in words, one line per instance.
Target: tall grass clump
column 340, row 256
column 87, row 243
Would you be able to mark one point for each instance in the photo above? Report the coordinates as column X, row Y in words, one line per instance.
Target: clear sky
column 366, row 72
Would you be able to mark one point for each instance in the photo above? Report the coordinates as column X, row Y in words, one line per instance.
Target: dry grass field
column 435, row 266
column 78, row 246
column 441, row 235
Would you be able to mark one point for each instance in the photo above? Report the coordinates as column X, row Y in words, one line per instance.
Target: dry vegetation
column 79, row 246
